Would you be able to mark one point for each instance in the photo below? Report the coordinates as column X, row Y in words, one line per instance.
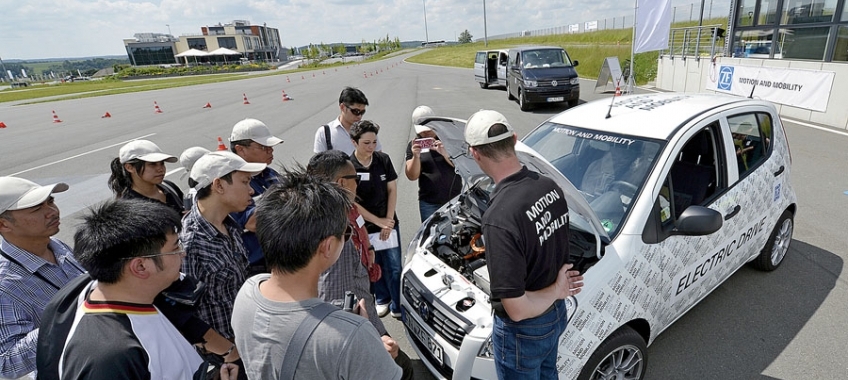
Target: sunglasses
column 355, row 111
column 179, row 251
column 354, row 177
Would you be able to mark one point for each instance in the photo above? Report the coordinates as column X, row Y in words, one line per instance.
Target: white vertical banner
column 653, row 24
column 23, row 73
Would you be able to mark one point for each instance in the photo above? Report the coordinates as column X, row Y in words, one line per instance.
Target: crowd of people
column 236, row 277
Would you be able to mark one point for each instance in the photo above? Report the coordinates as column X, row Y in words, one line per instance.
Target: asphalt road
column 788, row 324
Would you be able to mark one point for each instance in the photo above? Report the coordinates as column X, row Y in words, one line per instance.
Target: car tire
column 522, row 101
column 777, row 246
column 623, row 355
column 508, row 94
column 484, row 85
column 573, row 103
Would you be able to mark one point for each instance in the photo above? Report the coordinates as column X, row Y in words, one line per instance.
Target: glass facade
column 227, row 42
column 152, row 55
column 197, row 43
column 791, row 29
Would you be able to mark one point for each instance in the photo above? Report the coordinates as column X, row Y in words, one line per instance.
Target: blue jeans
column 426, row 209
column 387, row 288
column 528, row 349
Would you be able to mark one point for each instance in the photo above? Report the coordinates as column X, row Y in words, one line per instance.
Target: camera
column 349, row 302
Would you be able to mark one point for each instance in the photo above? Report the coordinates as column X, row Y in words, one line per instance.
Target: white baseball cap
column 18, row 193
column 218, row 164
column 143, row 150
column 421, row 128
column 477, row 128
column 190, row 156
column 421, row 112
column 252, row 129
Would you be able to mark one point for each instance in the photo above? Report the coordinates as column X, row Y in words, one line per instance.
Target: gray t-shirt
column 348, row 273
column 344, row 346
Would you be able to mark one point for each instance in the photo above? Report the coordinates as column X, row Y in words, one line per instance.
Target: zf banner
column 806, row 89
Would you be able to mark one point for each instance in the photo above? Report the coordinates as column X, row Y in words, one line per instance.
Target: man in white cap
column 215, row 254
column 525, row 229
column 33, row 267
column 252, row 140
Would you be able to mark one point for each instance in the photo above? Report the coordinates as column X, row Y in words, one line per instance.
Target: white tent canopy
column 223, row 51
column 192, row 53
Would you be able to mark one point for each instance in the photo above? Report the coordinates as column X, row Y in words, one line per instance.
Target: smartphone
column 349, row 301
column 425, row 143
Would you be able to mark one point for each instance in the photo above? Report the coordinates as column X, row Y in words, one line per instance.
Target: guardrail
column 695, row 42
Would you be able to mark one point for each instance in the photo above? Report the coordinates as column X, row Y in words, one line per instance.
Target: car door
column 502, row 58
column 480, row 67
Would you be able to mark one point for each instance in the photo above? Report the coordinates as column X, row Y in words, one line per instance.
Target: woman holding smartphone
column 428, row 162
column 376, row 200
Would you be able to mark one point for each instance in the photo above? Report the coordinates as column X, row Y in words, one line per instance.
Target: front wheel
column 778, row 244
column 522, row 101
column 508, row 94
column 573, row 103
column 622, row 356
column 484, row 85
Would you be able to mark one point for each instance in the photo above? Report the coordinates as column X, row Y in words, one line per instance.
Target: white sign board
column 808, row 89
column 590, row 25
column 574, row 28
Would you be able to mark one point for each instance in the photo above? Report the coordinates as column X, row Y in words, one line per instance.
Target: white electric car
column 669, row 195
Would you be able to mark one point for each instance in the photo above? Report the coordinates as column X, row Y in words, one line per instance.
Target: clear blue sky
column 75, row 28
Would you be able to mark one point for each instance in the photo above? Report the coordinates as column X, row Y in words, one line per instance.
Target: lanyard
column 36, row 273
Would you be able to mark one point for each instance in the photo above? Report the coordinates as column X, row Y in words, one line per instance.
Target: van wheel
column 623, row 355
column 508, row 94
column 573, row 103
column 522, row 101
column 778, row 244
column 484, row 85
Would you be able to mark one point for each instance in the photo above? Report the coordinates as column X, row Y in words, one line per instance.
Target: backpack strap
column 294, row 350
column 327, row 137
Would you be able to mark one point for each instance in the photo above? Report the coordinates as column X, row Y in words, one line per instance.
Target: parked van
column 490, row 68
column 541, row 74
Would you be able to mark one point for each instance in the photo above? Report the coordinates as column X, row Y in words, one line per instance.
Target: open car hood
column 451, row 132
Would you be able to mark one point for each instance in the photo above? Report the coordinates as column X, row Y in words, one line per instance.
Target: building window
column 840, row 51
column 227, row 42
column 807, row 11
column 768, row 12
column 804, row 43
column 755, row 44
column 157, row 55
column 197, row 43
column 745, row 17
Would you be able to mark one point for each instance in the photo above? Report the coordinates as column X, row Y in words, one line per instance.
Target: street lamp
column 485, row 31
column 169, row 29
column 426, row 33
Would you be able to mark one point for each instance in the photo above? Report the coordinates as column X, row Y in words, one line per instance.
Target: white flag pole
column 630, row 81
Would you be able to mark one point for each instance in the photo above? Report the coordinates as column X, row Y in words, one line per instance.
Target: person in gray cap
column 529, row 269
column 215, row 254
column 139, row 173
column 252, row 140
column 33, row 267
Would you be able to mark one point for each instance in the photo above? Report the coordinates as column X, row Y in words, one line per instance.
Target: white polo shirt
column 338, row 136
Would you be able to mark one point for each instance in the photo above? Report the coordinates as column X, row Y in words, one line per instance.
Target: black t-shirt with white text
column 525, row 230
column 372, row 192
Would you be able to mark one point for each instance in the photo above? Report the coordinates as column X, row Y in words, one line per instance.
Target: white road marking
column 815, row 126
column 79, row 155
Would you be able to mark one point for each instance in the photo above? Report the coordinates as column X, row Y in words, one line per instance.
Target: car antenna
column 757, row 80
column 617, row 83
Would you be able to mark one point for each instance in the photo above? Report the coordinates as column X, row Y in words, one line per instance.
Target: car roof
column 650, row 115
column 523, row 48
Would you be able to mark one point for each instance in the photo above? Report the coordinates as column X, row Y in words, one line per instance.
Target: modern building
column 254, row 42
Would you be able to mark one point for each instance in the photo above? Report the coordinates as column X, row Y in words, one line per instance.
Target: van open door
column 490, row 68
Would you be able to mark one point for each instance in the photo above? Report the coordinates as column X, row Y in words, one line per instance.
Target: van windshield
column 545, row 58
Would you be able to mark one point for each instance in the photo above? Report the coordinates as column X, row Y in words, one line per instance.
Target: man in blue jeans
column 525, row 230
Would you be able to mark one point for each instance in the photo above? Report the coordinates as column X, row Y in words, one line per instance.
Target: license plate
column 425, row 338
column 556, row 99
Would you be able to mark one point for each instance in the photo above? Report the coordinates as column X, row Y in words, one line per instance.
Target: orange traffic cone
column 617, row 91
column 2, row 125
column 221, row 145
column 105, row 115
column 364, row 74
column 301, row 77
column 156, row 108
column 323, row 73
column 56, row 118
column 208, row 105
column 287, row 79
column 313, row 75
column 286, row 97
column 245, row 99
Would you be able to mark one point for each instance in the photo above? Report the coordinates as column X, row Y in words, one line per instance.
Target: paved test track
column 789, row 324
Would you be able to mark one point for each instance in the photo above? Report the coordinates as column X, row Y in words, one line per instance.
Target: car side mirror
column 576, row 62
column 698, row 221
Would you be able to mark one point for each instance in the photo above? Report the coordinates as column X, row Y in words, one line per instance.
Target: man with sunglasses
column 303, row 226
column 33, row 267
column 252, row 140
column 109, row 328
column 336, row 134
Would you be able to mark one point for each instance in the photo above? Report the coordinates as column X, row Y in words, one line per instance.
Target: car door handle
column 733, row 213
column 779, row 171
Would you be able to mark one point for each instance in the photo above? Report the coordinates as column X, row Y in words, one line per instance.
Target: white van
column 490, row 68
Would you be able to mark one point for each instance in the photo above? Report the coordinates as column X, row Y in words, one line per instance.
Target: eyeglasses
column 354, row 177
column 263, row 147
column 179, row 251
column 355, row 111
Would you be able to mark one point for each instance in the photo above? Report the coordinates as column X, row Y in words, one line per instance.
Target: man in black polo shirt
column 525, row 230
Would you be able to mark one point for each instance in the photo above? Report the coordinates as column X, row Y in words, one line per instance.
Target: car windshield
column 545, row 58
column 608, row 169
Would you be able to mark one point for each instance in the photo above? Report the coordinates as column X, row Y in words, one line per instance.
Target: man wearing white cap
column 429, row 163
column 527, row 256
column 252, row 140
column 215, row 253
column 33, row 267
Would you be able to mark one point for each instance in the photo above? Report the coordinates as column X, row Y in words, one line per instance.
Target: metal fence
column 695, row 42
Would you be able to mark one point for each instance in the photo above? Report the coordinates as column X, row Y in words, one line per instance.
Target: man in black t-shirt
column 525, row 230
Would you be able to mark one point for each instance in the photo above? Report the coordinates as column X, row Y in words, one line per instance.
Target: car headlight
column 574, row 81
column 530, row 83
column 487, row 350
